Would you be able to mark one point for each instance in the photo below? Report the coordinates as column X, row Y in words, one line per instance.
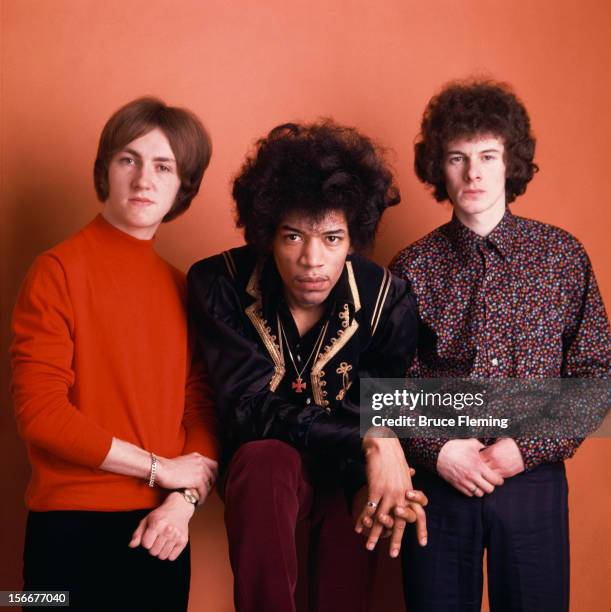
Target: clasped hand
column 475, row 469
column 164, row 532
column 389, row 502
column 192, row 471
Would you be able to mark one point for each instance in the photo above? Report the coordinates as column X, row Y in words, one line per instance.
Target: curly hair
column 313, row 169
column 465, row 109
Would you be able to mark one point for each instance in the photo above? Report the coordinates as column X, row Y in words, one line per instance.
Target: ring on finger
column 372, row 504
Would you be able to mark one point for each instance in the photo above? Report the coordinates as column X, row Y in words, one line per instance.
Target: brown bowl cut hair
column 187, row 137
column 471, row 108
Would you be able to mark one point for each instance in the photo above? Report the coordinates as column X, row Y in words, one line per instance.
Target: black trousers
column 523, row 525
column 87, row 554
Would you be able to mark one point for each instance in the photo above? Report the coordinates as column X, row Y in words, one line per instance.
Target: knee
column 266, row 455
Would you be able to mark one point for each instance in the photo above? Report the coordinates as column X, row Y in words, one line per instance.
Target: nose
column 312, row 254
column 472, row 171
column 142, row 178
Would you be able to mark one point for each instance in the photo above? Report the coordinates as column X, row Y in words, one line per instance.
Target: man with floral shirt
column 499, row 296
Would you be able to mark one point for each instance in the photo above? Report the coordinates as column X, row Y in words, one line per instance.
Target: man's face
column 310, row 256
column 143, row 183
column 474, row 170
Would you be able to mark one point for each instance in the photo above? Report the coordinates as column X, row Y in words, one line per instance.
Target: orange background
column 245, row 66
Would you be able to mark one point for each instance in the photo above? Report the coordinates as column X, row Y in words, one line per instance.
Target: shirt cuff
column 424, row 451
column 537, row 450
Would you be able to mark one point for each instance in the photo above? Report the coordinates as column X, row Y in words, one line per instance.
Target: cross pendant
column 298, row 385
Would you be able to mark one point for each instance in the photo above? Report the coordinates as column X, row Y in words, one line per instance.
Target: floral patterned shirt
column 520, row 303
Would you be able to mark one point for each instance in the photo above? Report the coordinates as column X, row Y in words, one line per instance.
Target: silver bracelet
column 153, row 473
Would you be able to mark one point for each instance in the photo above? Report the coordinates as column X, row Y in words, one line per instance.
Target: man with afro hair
column 288, row 324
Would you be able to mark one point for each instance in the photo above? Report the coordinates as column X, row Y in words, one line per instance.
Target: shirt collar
column 503, row 237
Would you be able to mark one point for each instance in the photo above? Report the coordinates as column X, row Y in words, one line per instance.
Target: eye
column 334, row 239
column 292, row 237
column 164, row 168
column 126, row 160
column 488, row 157
column 455, row 159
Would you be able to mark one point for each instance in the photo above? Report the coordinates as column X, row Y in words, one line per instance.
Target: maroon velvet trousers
column 269, row 489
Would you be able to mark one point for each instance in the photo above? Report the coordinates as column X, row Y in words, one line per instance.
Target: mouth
column 312, row 283
column 138, row 201
column 473, row 192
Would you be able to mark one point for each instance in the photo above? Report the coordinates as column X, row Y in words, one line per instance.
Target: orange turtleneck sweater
column 101, row 349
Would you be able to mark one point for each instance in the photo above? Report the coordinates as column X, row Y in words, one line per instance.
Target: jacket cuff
column 335, row 433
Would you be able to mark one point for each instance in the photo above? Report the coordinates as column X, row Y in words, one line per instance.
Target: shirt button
column 299, row 358
column 308, row 401
column 495, row 361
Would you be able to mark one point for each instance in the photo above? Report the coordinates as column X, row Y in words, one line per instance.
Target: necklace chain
column 315, row 348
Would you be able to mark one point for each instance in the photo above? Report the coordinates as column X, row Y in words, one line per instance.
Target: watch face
column 192, row 499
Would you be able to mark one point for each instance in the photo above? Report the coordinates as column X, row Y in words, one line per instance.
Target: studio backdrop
column 245, row 66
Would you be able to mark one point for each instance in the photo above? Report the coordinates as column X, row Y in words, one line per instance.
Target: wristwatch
column 189, row 496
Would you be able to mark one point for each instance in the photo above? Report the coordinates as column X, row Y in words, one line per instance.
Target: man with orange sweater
column 115, row 413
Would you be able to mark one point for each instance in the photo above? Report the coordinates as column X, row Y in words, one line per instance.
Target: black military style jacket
column 236, row 305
